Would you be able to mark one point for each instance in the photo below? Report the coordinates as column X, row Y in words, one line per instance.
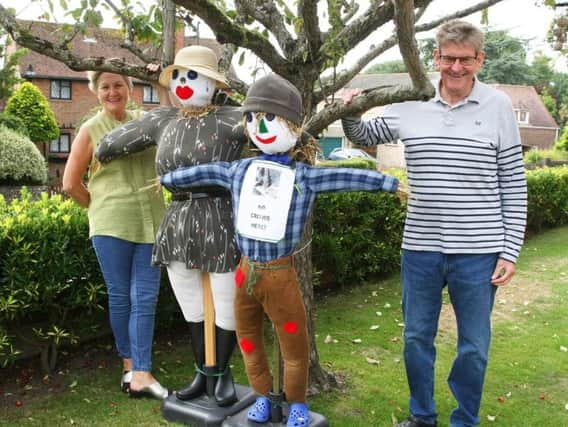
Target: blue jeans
column 133, row 284
column 424, row 275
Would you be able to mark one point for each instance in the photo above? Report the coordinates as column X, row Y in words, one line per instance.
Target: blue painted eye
column 249, row 117
column 175, row 74
column 191, row 75
column 269, row 116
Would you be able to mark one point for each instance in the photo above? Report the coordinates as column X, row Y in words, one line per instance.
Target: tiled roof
column 525, row 98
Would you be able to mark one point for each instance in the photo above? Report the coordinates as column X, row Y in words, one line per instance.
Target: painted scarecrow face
column 191, row 88
column 270, row 133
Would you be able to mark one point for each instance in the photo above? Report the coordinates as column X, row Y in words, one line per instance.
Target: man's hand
column 504, row 272
column 349, row 94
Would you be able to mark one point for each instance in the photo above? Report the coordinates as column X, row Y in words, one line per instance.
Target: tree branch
column 266, row 12
column 24, row 38
column 404, row 21
column 129, row 34
column 381, row 95
column 310, row 32
column 333, row 85
column 227, row 31
column 372, row 19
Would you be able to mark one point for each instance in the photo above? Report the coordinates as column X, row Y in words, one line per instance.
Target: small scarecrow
column 196, row 238
column 272, row 196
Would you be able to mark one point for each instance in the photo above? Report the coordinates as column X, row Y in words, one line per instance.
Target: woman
column 196, row 238
column 124, row 215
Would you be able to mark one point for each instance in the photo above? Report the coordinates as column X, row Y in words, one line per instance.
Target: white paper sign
column 265, row 200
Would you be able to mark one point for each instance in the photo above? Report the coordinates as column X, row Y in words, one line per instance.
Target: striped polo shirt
column 465, row 171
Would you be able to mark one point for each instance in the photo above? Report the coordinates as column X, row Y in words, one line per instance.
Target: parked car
column 349, row 153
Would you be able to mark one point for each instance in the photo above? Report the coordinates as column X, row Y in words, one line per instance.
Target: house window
column 61, row 144
column 522, row 116
column 60, row 89
column 150, row 95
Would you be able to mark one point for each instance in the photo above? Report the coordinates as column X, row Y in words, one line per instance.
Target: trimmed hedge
column 49, row 274
column 20, row 160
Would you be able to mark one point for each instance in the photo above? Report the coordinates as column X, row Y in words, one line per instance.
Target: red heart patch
column 239, row 277
column 246, row 346
column 184, row 92
column 290, row 327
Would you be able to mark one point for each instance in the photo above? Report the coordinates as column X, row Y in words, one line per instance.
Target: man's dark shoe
column 412, row 421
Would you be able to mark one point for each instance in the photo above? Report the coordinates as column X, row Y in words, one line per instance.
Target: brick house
column 67, row 91
column 536, row 125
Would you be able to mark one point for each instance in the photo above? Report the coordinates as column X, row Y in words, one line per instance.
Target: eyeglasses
column 466, row 61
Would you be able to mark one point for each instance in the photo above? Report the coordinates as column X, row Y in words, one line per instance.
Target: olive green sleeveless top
column 124, row 202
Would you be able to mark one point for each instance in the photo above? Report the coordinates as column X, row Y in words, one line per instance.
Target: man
column 465, row 219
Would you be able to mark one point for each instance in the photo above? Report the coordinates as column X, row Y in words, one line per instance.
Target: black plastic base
column 203, row 411
column 240, row 420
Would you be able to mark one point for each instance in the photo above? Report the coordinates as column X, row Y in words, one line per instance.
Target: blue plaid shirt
column 308, row 181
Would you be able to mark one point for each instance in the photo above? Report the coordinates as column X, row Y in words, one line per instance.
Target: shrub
column 29, row 104
column 14, row 123
column 20, row 160
column 547, row 198
column 562, row 143
column 356, row 234
column 49, row 275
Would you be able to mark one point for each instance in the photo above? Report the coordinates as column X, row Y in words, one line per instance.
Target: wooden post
column 210, row 367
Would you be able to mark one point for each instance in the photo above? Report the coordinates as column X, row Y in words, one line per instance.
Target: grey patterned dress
column 198, row 232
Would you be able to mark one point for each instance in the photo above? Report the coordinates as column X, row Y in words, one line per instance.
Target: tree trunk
column 320, row 379
column 169, row 31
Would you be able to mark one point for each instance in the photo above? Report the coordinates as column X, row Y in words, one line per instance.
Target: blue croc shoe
column 260, row 411
column 298, row 415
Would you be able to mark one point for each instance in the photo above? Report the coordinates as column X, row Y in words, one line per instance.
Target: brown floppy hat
column 200, row 59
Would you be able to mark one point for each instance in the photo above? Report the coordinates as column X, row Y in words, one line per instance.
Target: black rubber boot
column 225, row 393
column 197, row 386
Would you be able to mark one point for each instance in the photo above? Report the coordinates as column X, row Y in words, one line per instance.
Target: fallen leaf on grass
column 501, row 399
column 73, row 384
column 542, row 397
column 372, row 361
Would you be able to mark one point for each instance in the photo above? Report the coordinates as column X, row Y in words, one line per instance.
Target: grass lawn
column 359, row 339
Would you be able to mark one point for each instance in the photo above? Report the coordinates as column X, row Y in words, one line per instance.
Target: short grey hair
column 94, row 76
column 460, row 32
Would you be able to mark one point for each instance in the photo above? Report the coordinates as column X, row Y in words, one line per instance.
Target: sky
column 522, row 18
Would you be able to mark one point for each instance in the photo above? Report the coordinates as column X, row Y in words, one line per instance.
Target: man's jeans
column 424, row 275
column 133, row 285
